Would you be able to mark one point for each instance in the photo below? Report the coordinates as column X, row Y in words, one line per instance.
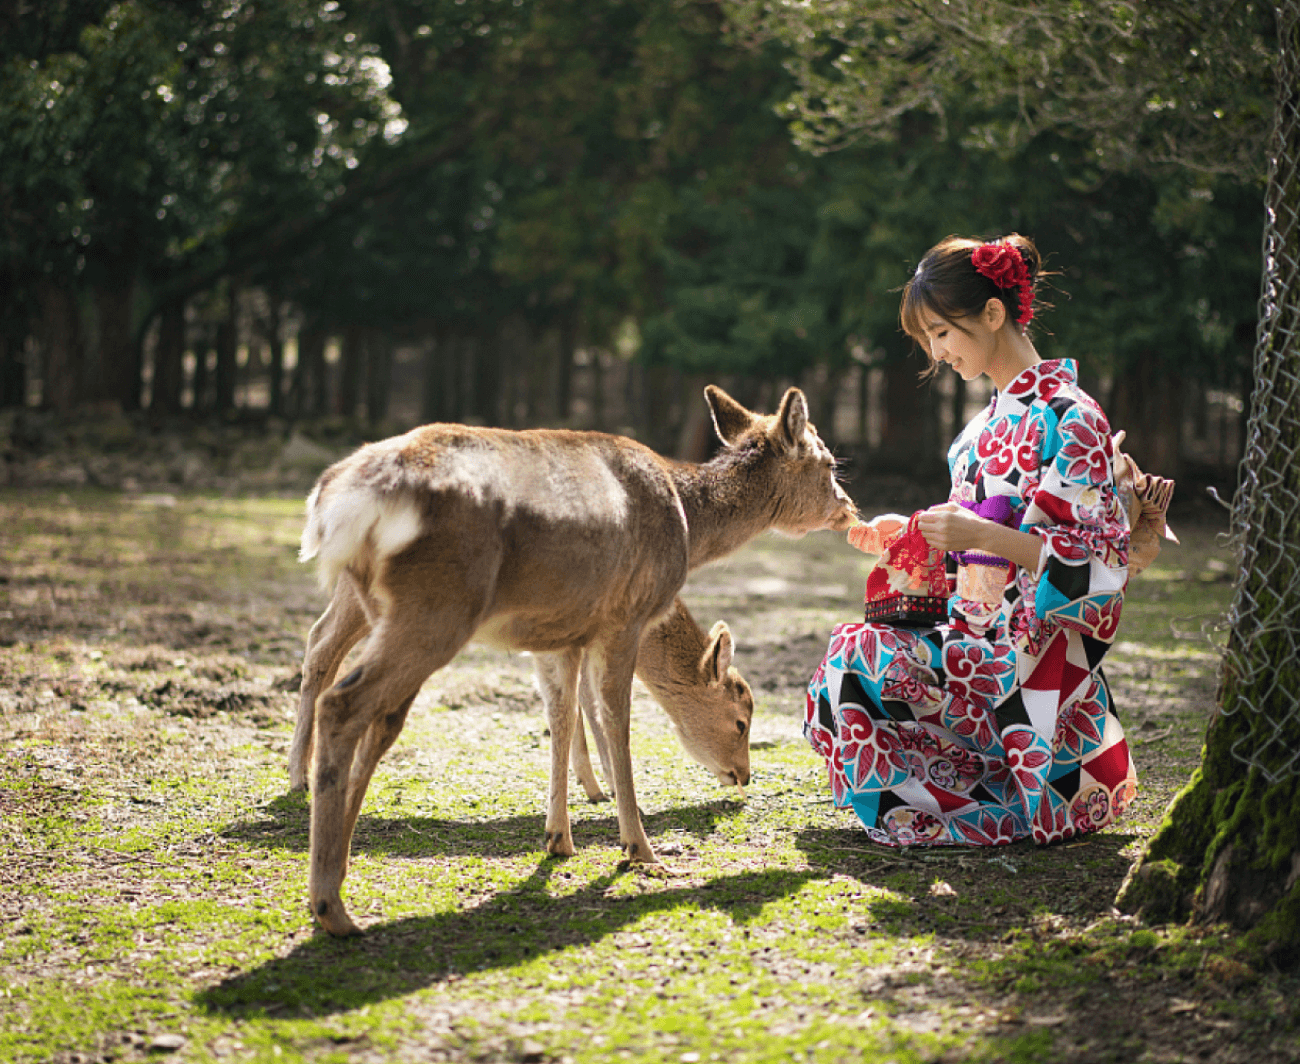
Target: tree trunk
column 169, row 360
column 487, row 378
column 275, row 343
column 1147, row 402
column 379, row 376
column 567, row 342
column 227, row 352
column 352, row 366
column 310, row 385
column 202, row 352
column 431, row 400
column 62, row 350
column 13, row 373
column 119, row 355
column 908, row 440
column 1229, row 848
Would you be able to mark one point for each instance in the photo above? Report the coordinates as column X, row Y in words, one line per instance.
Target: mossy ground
column 153, row 867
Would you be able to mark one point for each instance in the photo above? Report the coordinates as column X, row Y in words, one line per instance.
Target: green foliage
column 1147, row 85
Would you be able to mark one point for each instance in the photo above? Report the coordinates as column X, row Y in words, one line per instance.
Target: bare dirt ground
column 152, row 864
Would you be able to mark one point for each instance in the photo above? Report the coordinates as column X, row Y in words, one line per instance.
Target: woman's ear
column 995, row 314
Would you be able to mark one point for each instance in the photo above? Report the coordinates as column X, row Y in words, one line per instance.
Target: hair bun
column 1028, row 251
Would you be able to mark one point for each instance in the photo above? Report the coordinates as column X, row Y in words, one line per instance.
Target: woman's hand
column 951, row 527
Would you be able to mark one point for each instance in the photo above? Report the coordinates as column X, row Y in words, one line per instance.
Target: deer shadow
column 287, row 822
column 324, row 976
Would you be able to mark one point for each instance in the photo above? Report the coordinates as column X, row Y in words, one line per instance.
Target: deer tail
column 353, row 526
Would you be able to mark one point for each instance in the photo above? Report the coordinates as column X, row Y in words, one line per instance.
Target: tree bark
column 908, row 440
column 1147, row 402
column 63, row 352
column 352, row 365
column 379, row 376
column 275, row 346
column 227, row 351
column 119, row 361
column 13, row 374
column 310, row 385
column 169, row 359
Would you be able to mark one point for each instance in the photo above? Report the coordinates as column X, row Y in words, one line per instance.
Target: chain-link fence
column 1261, row 667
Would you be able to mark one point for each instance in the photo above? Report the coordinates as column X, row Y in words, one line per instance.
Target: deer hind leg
column 379, row 737
column 612, row 669
column 345, row 621
column 580, row 759
column 367, row 708
column 579, row 756
column 589, row 710
column 557, row 675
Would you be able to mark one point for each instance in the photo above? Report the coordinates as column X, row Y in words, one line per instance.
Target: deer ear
column 792, row 418
column 730, row 419
column 718, row 654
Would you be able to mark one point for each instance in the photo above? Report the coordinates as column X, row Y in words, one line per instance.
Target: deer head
column 789, row 463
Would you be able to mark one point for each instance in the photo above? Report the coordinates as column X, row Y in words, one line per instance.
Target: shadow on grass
column 324, row 975
column 976, row 893
column 286, row 826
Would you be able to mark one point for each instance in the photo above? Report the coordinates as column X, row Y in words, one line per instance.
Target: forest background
column 355, row 217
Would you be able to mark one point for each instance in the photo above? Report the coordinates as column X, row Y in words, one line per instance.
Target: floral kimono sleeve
column 1076, row 511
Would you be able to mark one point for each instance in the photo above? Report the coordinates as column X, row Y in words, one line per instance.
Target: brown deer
column 565, row 544
column 691, row 676
column 688, row 672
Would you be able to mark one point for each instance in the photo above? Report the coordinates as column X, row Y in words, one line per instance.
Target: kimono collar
column 1040, row 381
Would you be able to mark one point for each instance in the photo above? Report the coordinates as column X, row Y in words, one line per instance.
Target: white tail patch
column 341, row 525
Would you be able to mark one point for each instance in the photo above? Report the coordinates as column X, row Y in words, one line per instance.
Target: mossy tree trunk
column 1229, row 849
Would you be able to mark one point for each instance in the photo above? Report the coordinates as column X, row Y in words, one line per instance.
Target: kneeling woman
column 996, row 724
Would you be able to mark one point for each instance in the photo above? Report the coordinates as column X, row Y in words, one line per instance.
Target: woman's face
column 966, row 344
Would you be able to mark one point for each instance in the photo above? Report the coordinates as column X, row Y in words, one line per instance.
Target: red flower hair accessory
column 1005, row 267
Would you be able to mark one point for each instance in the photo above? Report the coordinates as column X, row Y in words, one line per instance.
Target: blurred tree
column 1147, row 84
column 155, row 146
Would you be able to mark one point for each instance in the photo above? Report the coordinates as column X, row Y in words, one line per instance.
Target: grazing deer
column 565, row 544
column 691, row 676
column 688, row 672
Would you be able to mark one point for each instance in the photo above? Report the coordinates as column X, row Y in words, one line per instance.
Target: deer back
column 565, row 534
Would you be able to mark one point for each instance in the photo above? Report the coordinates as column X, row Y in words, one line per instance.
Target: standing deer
column 689, row 674
column 565, row 544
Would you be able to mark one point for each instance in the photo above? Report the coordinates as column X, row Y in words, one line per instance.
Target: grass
column 153, row 881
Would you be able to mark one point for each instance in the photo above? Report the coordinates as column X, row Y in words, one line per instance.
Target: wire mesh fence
column 1261, row 667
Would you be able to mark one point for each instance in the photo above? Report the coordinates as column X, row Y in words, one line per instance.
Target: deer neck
column 725, row 502
column 670, row 654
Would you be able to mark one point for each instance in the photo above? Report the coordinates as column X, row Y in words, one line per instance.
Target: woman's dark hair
column 946, row 283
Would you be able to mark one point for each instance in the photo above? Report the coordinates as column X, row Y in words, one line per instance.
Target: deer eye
column 740, row 726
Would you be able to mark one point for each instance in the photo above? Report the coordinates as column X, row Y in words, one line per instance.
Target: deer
column 566, row 544
column 690, row 674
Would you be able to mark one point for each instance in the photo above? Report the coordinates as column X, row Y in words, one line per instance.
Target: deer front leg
column 344, row 622
column 557, row 675
column 612, row 672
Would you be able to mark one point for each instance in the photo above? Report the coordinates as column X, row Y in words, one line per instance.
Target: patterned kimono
column 996, row 725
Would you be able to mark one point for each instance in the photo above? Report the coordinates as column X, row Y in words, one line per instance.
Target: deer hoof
column 559, row 844
column 640, row 853
column 333, row 918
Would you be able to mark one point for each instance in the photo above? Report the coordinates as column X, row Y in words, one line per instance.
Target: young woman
column 995, row 725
